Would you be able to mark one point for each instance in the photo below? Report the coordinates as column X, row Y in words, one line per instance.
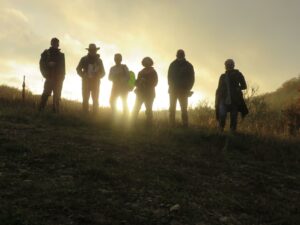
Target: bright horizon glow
column 72, row 83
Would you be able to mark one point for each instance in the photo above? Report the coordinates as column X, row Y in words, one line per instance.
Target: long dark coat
column 237, row 83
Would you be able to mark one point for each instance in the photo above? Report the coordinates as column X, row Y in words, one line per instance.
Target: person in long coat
column 229, row 96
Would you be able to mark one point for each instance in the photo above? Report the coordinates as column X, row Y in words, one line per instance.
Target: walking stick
column 23, row 89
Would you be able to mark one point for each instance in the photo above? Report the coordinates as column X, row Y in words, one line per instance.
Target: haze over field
column 262, row 36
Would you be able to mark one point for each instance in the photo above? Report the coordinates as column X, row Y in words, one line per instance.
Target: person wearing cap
column 229, row 96
column 181, row 78
column 91, row 70
column 52, row 67
column 119, row 75
column 145, row 89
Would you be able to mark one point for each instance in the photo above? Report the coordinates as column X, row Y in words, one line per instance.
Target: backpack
column 131, row 81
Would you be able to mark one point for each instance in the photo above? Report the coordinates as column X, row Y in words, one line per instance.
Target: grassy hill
column 288, row 93
column 75, row 169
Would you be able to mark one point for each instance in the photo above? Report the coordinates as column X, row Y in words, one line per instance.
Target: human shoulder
column 152, row 70
column 45, row 52
column 113, row 67
column 124, row 66
column 188, row 63
column 60, row 52
column 222, row 76
column 238, row 73
column 98, row 58
column 83, row 60
column 143, row 71
column 174, row 62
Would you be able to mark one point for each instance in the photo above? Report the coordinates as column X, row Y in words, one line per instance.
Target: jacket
column 119, row 75
column 181, row 76
column 52, row 63
column 229, row 91
column 90, row 67
column 146, row 82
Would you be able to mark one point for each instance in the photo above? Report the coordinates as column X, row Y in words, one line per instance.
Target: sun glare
column 72, row 84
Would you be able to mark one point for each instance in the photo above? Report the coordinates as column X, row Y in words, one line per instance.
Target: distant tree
column 292, row 116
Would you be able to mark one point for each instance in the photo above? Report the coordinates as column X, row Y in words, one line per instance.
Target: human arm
column 101, row 71
column 80, row 68
column 243, row 84
column 191, row 79
column 43, row 64
column 63, row 65
column 154, row 79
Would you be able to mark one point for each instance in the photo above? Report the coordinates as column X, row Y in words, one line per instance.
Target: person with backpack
column 229, row 96
column 181, row 78
column 91, row 70
column 145, row 89
column 53, row 69
column 120, row 77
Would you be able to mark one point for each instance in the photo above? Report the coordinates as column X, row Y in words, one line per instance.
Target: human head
column 54, row 43
column 118, row 58
column 180, row 54
column 229, row 64
column 147, row 62
column 92, row 49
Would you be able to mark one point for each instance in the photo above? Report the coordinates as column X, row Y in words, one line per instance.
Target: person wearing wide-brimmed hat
column 181, row 78
column 52, row 67
column 119, row 75
column 145, row 89
column 91, row 70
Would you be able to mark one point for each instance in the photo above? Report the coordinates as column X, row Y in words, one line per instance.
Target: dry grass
column 71, row 169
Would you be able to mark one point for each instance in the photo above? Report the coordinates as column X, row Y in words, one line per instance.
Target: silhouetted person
column 145, row 89
column 119, row 75
column 52, row 67
column 229, row 96
column 91, row 70
column 181, row 78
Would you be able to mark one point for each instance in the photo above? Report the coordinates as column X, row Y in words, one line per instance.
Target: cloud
column 16, row 14
column 262, row 36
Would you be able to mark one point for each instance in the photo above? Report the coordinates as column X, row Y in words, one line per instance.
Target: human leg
column 149, row 112
column 137, row 107
column 172, row 109
column 233, row 118
column 183, row 101
column 57, row 94
column 85, row 95
column 222, row 115
column 95, row 94
column 125, row 104
column 48, row 88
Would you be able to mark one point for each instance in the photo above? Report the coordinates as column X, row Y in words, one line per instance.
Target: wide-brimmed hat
column 147, row 62
column 92, row 47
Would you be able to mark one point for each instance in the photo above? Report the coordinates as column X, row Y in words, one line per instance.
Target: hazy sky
column 263, row 36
